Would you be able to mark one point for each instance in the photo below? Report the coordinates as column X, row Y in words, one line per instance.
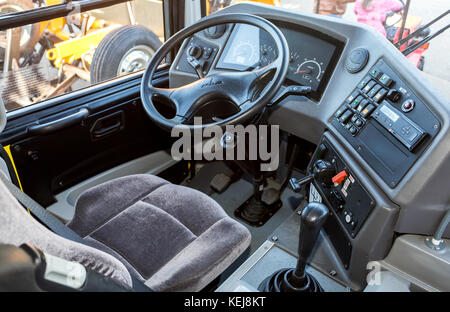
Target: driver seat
column 170, row 237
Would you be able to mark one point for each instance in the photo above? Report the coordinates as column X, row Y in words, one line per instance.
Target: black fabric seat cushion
column 145, row 222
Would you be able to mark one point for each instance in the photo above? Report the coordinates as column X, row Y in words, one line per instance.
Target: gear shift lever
column 312, row 219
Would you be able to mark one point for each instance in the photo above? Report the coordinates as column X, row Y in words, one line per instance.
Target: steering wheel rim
column 279, row 65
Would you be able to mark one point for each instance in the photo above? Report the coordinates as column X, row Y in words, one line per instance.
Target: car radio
column 387, row 124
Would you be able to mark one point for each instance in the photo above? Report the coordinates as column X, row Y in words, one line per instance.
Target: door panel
column 54, row 158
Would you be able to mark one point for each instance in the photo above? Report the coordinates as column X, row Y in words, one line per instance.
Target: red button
column 340, row 177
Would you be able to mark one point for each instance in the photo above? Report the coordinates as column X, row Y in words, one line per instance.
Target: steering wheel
column 241, row 88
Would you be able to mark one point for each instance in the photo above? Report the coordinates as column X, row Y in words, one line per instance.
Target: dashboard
column 383, row 124
column 313, row 55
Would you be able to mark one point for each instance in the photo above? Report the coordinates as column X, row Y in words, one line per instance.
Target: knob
column 324, row 172
column 408, row 105
column 195, row 51
column 394, row 95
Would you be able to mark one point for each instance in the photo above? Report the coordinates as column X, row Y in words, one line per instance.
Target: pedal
column 220, row 182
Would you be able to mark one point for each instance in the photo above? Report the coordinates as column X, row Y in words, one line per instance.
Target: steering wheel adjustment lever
column 291, row 90
column 196, row 65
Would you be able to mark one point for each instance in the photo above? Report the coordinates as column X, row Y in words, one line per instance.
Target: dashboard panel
column 313, row 55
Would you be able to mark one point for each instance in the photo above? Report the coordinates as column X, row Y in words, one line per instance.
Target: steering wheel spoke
column 265, row 72
column 154, row 92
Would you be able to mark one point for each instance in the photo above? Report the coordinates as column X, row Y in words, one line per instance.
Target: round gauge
column 245, row 53
column 309, row 72
column 268, row 54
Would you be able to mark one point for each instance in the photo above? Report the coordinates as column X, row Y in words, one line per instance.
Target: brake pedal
column 220, row 182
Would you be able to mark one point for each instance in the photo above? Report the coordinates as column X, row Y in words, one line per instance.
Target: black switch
column 369, row 86
column 367, row 111
column 357, row 101
column 394, row 95
column 374, row 90
column 363, row 83
column 346, row 116
column 352, row 96
column 386, row 80
column 362, row 105
column 340, row 111
column 375, row 72
column 380, row 95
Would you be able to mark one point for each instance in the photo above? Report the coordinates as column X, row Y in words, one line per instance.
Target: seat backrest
column 18, row 227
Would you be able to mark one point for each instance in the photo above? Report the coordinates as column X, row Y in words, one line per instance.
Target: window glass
column 385, row 16
column 43, row 60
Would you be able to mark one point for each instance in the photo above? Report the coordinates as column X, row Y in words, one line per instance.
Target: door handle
column 59, row 124
column 108, row 125
column 107, row 130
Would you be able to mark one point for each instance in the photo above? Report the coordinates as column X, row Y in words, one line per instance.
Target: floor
column 236, row 194
column 233, row 197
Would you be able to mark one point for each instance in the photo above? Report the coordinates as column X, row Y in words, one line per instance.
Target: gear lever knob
column 312, row 219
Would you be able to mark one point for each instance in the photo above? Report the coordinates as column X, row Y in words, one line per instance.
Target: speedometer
column 245, row 53
column 309, row 71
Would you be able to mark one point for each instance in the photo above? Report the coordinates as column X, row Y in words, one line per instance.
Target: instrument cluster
column 311, row 55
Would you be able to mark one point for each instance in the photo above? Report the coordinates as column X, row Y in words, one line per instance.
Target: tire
column 421, row 63
column 33, row 30
column 109, row 60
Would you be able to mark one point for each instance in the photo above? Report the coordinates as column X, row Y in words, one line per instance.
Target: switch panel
column 345, row 195
column 386, row 123
column 349, row 202
column 197, row 51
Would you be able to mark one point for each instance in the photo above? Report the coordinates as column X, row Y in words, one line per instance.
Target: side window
column 43, row 60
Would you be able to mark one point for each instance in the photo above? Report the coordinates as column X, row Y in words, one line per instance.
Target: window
column 43, row 60
column 387, row 20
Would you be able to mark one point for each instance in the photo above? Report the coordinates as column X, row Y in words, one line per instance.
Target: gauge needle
column 300, row 71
